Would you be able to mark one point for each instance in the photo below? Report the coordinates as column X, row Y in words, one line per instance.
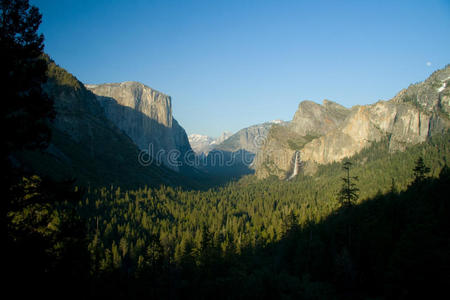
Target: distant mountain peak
column 277, row 121
column 204, row 144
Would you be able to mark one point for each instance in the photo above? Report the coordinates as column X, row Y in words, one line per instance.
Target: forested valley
column 374, row 226
column 281, row 239
column 253, row 239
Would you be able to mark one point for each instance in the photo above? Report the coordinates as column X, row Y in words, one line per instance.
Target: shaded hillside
column 233, row 157
column 86, row 146
column 271, row 239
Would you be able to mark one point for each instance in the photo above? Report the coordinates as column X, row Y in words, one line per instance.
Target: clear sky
column 232, row 64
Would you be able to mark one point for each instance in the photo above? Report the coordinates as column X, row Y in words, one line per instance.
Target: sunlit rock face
column 403, row 123
column 311, row 120
column 315, row 119
column 85, row 144
column 145, row 115
column 329, row 132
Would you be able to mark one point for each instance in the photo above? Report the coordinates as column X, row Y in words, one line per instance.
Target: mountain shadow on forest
column 392, row 246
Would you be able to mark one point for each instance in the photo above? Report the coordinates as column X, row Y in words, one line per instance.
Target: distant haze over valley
column 225, row 149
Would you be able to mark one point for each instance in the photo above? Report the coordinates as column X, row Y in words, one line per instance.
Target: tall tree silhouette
column 45, row 239
column 420, row 170
column 348, row 193
column 26, row 109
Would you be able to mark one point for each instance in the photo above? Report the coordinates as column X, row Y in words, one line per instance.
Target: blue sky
column 232, row 64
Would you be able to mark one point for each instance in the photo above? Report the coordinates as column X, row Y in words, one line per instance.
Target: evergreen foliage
column 420, row 171
column 348, row 194
column 314, row 237
column 271, row 239
column 26, row 109
column 46, row 246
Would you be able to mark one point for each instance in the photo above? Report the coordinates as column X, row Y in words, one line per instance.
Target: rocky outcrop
column 315, row 119
column 249, row 139
column 310, row 121
column 86, row 145
column 329, row 132
column 145, row 115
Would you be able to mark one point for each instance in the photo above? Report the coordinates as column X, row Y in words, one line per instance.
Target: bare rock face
column 403, row 123
column 249, row 139
column 329, row 132
column 145, row 115
column 311, row 121
column 85, row 145
column 315, row 119
column 276, row 154
column 136, row 96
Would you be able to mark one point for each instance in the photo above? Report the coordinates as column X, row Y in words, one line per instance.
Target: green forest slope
column 265, row 239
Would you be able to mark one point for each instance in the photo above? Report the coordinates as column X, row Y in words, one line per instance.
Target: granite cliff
column 145, row 115
column 87, row 146
column 326, row 133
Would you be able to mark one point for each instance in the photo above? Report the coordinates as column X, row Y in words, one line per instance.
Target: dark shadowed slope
column 86, row 146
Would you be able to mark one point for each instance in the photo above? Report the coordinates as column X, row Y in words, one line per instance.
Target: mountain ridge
column 322, row 136
column 87, row 146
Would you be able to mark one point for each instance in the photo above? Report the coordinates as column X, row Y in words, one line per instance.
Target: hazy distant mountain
column 200, row 143
column 249, row 139
column 203, row 143
column 225, row 135
column 232, row 155
column 330, row 132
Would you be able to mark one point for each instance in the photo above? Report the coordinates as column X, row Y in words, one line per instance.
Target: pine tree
column 26, row 109
column 290, row 225
column 45, row 237
column 349, row 193
column 420, row 171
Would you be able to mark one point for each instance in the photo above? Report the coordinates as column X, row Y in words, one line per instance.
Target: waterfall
column 296, row 165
